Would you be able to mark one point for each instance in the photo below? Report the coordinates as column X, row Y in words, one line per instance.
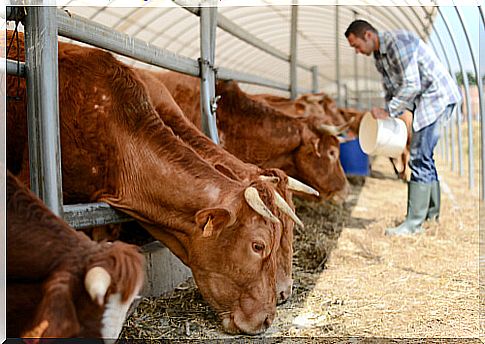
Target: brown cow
column 228, row 164
column 261, row 135
column 353, row 116
column 59, row 282
column 117, row 150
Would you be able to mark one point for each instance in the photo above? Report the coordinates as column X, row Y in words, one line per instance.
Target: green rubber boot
column 434, row 202
column 418, row 202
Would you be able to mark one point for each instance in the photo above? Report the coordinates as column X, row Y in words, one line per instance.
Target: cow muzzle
column 254, row 324
column 283, row 291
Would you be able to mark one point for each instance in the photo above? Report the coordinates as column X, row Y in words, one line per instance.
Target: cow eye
column 258, row 247
column 333, row 154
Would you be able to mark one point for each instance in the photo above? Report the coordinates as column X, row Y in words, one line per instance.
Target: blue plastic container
column 354, row 161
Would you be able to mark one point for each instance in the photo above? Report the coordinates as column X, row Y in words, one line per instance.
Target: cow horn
column 38, row 331
column 270, row 179
column 256, row 203
column 285, row 208
column 314, row 98
column 334, row 129
column 330, row 129
column 296, row 185
column 97, row 282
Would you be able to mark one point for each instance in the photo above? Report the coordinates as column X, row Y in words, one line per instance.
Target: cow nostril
column 267, row 322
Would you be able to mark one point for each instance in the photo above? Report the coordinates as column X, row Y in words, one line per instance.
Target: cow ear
column 300, row 109
column 56, row 315
column 212, row 220
column 315, row 143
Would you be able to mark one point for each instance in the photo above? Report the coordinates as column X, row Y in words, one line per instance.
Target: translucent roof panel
column 319, row 40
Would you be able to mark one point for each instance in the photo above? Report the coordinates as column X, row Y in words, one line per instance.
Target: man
column 414, row 80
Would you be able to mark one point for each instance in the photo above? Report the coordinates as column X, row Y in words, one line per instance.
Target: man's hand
column 379, row 113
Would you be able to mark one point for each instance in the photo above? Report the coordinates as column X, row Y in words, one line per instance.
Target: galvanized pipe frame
column 337, row 55
column 480, row 99
column 471, row 158
column 293, row 53
column 445, row 129
column 208, row 22
column 230, row 27
column 80, row 29
column 389, row 19
column 458, row 110
column 15, row 68
column 43, row 106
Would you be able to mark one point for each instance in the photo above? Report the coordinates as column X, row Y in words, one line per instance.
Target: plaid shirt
column 414, row 78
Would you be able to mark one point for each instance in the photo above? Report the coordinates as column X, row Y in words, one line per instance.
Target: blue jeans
column 423, row 142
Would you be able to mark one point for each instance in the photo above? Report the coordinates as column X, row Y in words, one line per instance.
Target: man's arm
column 403, row 61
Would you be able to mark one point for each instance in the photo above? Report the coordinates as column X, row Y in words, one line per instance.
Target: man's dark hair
column 359, row 28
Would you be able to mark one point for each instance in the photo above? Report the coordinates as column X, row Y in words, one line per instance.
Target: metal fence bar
column 93, row 214
column 314, row 79
column 12, row 68
column 228, row 74
column 207, row 78
column 457, row 111
column 471, row 177
column 230, row 27
column 337, row 55
column 84, row 30
column 43, row 105
column 293, row 52
column 451, row 124
column 480, row 99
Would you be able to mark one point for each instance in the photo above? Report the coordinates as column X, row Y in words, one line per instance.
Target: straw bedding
column 352, row 281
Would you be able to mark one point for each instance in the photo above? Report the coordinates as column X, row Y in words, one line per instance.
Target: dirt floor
column 353, row 281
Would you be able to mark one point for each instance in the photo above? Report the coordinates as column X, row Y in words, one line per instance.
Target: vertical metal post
column 367, row 68
column 315, row 79
column 356, row 74
column 293, row 56
column 346, row 93
column 480, row 99
column 471, row 158
column 208, row 22
column 3, row 193
column 442, row 141
column 42, row 105
column 457, row 108
column 447, row 155
column 337, row 54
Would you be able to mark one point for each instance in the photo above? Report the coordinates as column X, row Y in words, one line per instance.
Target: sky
column 475, row 29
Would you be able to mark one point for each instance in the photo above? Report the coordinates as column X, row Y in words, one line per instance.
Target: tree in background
column 471, row 78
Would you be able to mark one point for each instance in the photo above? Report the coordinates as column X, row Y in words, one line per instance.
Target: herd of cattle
column 131, row 138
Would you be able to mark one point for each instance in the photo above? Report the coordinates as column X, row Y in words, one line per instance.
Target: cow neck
column 164, row 181
column 187, row 90
column 221, row 159
column 282, row 133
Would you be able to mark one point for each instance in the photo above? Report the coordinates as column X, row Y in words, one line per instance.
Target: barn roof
column 170, row 26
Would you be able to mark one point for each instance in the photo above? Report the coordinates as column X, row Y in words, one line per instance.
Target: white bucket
column 385, row 137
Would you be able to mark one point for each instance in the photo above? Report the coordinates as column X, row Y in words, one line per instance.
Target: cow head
column 233, row 258
column 112, row 278
column 317, row 162
column 68, row 286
